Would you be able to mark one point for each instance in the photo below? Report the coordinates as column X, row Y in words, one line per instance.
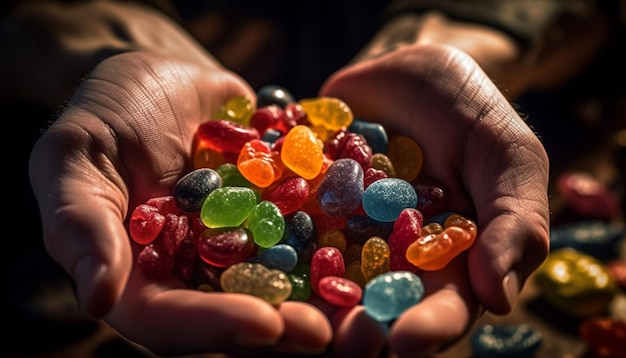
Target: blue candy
column 279, row 257
column 388, row 295
column 510, row 341
column 385, row 198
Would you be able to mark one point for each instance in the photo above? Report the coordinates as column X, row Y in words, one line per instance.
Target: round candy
column 385, row 198
column 388, row 295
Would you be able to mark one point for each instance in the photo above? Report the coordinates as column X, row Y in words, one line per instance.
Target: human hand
column 494, row 169
column 125, row 137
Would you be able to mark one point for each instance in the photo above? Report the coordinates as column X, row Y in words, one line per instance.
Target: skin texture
column 126, row 136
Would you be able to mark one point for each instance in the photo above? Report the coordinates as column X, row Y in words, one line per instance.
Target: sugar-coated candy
column 223, row 247
column 406, row 229
column 281, row 257
column 288, row 193
column 156, row 259
column 302, row 152
column 433, row 252
column 388, row 295
column 256, row 280
column 227, row 206
column 339, row 291
column 505, row 341
column 374, row 257
column 382, row 162
column 301, row 234
column 359, row 228
column 595, row 237
column 328, row 112
column 259, row 164
column 224, row 136
column 267, row 118
column 165, row 204
column 575, row 283
column 341, row 191
column 266, row 223
column 191, row 190
column 371, row 175
column 384, row 199
column 273, row 95
column 185, row 259
column 326, row 261
column 431, row 199
column 145, row 224
column 374, row 134
column 300, row 283
column 604, row 336
column 407, row 157
column 344, row 144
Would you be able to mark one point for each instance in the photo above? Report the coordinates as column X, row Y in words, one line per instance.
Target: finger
column 357, row 334
column 179, row 321
column 444, row 315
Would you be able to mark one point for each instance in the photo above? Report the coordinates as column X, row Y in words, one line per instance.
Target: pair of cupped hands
column 126, row 136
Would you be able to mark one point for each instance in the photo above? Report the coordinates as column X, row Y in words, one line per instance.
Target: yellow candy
column 302, row 152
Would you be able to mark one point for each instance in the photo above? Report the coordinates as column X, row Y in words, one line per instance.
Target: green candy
column 266, row 223
column 227, row 207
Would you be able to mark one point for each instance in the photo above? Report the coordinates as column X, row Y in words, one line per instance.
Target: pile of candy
column 294, row 198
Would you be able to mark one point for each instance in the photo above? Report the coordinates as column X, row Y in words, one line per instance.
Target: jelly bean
column 343, row 144
column 185, row 259
column 231, row 176
column 334, row 238
column 339, row 291
column 145, row 224
column 588, row 196
column 433, row 252
column 268, row 117
column 273, row 95
column 258, row 164
column 374, row 257
column 371, row 175
column 341, row 190
column 301, row 234
column 431, row 199
column 461, row 222
column 385, row 199
column 191, row 190
column 594, row 237
column 288, row 193
column 165, row 204
column 374, row 134
column 294, row 116
column 388, row 295
column 359, row 228
column 575, row 283
column 327, row 112
column 224, row 136
column 382, row 162
column 266, row 223
column 605, row 337
column 223, row 247
column 279, row 257
column 432, row 228
column 256, row 280
column 300, row 283
column 406, row 229
column 227, row 206
column 156, row 260
column 406, row 156
column 237, row 109
column 326, row 261
column 355, row 273
column 506, row 341
column 302, row 152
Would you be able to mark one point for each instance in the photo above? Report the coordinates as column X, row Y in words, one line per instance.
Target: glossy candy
column 341, row 190
column 288, row 193
column 256, row 280
column 278, row 257
column 191, row 190
column 227, row 206
column 505, row 341
column 223, row 247
column 302, row 153
column 433, row 252
column 237, row 109
column 374, row 134
column 374, row 258
column 328, row 112
column 326, row 261
column 406, row 156
column 359, row 228
column 339, row 291
column 259, row 164
column 406, row 229
column 300, row 283
column 384, row 199
column 605, row 337
column 145, row 224
column 575, row 283
column 156, row 260
column 224, row 136
column 588, row 196
column 594, row 237
column 388, row 295
column 344, row 144
column 334, row 238
column 273, row 95
column 266, row 223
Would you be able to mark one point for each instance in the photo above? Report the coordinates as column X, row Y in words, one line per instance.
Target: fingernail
column 510, row 284
column 89, row 273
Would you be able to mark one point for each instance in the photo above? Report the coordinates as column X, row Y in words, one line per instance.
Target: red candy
column 288, row 193
column 326, row 261
column 339, row 291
